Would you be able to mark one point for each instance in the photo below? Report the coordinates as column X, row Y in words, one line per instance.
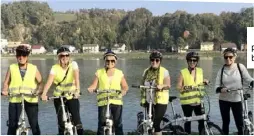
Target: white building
column 206, row 46
column 38, row 49
column 228, row 45
column 117, row 48
column 91, row 48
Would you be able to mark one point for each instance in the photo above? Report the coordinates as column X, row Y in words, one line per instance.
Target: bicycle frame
column 177, row 117
column 107, row 129
column 247, row 124
column 22, row 128
column 68, row 130
column 147, row 123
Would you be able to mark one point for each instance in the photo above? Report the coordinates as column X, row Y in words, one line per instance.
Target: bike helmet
column 230, row 50
column 63, row 49
column 109, row 53
column 156, row 54
column 23, row 49
column 192, row 55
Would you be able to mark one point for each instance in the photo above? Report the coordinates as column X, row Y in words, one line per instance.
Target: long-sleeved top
column 232, row 80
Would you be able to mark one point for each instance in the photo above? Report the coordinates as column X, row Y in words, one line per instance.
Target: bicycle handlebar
column 63, row 95
column 107, row 91
column 147, row 87
column 20, row 94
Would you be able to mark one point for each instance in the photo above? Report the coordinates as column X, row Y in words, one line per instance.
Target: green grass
column 59, row 17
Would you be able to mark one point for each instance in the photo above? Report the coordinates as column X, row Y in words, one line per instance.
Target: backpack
column 221, row 76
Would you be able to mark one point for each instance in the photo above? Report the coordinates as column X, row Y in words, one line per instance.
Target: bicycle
column 145, row 122
column 107, row 128
column 248, row 127
column 69, row 128
column 208, row 125
column 22, row 128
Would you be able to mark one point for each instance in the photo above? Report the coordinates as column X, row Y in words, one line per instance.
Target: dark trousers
column 225, row 114
column 72, row 106
column 31, row 110
column 158, row 112
column 187, row 111
column 116, row 115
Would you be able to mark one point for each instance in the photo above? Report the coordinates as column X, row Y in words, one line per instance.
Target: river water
column 133, row 69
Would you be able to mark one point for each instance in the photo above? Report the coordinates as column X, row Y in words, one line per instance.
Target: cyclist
column 190, row 100
column 23, row 77
column 231, row 76
column 156, row 75
column 65, row 75
column 110, row 77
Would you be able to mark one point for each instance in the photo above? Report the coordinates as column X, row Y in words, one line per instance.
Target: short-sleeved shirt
column 74, row 66
column 166, row 73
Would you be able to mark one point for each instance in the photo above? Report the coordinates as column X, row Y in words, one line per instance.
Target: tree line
column 35, row 23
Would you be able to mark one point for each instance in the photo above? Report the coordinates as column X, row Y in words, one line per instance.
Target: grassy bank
column 131, row 55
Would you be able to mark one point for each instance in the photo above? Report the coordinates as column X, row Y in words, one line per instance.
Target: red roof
column 36, row 46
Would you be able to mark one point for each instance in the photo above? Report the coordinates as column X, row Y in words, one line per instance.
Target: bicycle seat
column 171, row 98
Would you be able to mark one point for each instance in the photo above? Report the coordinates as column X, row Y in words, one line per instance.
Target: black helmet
column 156, row 54
column 230, row 50
column 109, row 53
column 192, row 55
column 22, row 49
column 63, row 49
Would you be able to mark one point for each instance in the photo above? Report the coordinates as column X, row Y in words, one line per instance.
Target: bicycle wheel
column 106, row 132
column 250, row 115
column 174, row 130
column 23, row 133
column 212, row 129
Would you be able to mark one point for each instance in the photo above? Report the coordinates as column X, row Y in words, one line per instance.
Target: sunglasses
column 112, row 61
column 226, row 57
column 192, row 60
column 157, row 60
column 21, row 54
column 67, row 55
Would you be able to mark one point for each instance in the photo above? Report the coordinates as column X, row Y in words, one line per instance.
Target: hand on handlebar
column 206, row 82
column 4, row 93
column 90, row 90
column 44, row 97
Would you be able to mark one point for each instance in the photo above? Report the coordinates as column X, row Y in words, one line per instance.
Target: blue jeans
column 31, row 110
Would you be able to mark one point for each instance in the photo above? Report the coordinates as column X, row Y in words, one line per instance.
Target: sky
column 156, row 7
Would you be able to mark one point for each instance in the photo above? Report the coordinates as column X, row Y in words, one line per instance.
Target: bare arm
column 39, row 81
column 93, row 85
column 76, row 77
column 124, row 85
column 48, row 84
column 180, row 83
column 6, row 82
column 166, row 82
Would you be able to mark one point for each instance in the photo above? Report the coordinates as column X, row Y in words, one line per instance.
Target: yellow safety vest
column 115, row 98
column 68, row 84
column 27, row 86
column 193, row 96
column 162, row 96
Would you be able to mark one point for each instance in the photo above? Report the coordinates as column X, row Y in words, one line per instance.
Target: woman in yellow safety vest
column 23, row 77
column 65, row 76
column 108, row 78
column 190, row 100
column 158, row 76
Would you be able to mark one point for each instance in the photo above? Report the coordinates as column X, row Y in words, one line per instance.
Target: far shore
column 130, row 55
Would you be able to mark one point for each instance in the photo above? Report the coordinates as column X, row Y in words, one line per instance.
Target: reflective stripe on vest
column 115, row 98
column 162, row 97
column 27, row 86
column 68, row 84
column 192, row 96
